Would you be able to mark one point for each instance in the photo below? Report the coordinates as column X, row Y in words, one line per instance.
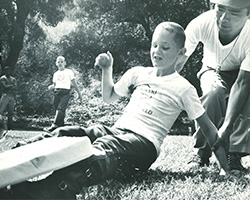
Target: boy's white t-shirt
column 155, row 103
column 235, row 55
column 62, row 79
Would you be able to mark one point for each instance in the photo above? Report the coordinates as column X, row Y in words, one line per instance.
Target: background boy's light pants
column 214, row 100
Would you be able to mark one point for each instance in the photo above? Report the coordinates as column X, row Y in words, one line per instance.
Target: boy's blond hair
column 175, row 28
column 60, row 57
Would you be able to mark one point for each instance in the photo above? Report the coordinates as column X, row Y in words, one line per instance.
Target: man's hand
column 224, row 136
column 104, row 60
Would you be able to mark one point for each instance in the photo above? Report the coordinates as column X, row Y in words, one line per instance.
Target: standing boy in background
column 63, row 79
column 7, row 101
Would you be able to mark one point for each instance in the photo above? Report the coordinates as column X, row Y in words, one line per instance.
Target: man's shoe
column 197, row 162
column 235, row 163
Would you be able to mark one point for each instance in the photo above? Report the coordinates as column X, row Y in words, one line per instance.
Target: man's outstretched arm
column 236, row 103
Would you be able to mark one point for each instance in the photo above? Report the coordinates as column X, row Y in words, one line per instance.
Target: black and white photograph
column 125, row 99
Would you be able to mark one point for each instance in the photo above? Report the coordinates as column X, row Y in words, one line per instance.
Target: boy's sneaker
column 50, row 129
column 235, row 163
column 196, row 162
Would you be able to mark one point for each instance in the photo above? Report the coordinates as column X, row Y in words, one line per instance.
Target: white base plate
column 41, row 157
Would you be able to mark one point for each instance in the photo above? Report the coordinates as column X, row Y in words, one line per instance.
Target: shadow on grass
column 154, row 179
column 158, row 175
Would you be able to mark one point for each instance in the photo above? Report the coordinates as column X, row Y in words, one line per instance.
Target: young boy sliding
column 133, row 143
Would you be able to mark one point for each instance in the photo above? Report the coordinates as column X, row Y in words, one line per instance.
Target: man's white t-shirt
column 155, row 103
column 233, row 56
column 62, row 79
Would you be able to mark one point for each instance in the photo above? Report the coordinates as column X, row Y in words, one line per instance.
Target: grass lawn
column 167, row 177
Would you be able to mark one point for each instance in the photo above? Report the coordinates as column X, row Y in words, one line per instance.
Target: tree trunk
column 18, row 32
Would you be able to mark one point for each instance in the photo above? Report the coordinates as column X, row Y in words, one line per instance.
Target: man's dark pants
column 215, row 103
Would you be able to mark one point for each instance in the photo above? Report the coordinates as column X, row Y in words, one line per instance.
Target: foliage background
column 34, row 33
